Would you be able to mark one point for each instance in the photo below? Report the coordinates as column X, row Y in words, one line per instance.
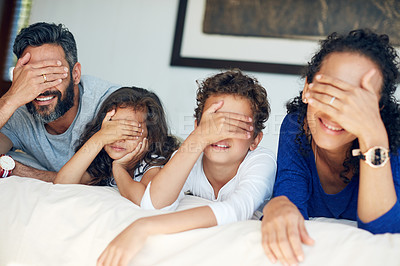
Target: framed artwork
column 275, row 36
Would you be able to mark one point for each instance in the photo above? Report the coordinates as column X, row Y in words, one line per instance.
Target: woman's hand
column 283, row 231
column 131, row 159
column 114, row 130
column 349, row 105
column 125, row 246
column 215, row 126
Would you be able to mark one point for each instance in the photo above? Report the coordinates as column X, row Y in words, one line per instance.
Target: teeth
column 221, row 146
column 331, row 127
column 44, row 98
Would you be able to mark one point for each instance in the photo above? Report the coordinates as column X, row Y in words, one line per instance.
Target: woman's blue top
column 297, row 178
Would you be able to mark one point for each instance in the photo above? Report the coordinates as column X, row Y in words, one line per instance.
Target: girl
column 125, row 145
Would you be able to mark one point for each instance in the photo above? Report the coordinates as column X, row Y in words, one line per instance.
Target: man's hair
column 47, row 33
column 234, row 82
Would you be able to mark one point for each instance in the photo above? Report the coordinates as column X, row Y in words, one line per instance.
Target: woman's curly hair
column 161, row 144
column 234, row 82
column 376, row 48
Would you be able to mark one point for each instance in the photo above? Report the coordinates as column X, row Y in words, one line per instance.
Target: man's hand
column 31, row 79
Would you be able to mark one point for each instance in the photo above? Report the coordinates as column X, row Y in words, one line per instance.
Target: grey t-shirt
column 53, row 151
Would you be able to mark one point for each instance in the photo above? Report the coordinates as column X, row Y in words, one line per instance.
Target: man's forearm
column 27, row 171
column 7, row 109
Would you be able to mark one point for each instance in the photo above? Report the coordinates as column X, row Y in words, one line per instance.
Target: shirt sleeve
column 147, row 204
column 256, row 180
column 12, row 127
column 293, row 174
column 390, row 221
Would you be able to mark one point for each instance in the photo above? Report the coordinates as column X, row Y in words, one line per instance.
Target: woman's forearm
column 377, row 194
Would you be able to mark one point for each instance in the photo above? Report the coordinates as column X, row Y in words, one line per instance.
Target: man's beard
column 43, row 114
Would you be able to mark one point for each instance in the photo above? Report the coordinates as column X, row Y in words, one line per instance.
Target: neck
column 218, row 174
column 329, row 165
column 62, row 124
column 333, row 158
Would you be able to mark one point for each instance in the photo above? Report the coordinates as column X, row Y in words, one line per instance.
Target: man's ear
column 256, row 141
column 76, row 73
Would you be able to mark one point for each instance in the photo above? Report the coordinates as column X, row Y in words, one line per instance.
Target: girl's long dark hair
column 376, row 48
column 161, row 144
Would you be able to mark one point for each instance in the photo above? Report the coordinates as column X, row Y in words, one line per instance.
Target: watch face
column 7, row 163
column 377, row 156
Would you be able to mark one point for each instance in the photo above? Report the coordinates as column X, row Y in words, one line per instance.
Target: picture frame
column 192, row 48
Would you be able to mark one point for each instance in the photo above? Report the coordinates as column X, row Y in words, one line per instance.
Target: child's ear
column 256, row 141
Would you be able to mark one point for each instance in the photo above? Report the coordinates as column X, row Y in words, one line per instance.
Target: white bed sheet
column 46, row 224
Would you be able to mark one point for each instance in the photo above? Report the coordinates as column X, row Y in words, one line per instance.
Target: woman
column 335, row 143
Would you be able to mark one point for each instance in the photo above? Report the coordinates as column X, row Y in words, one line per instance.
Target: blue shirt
column 297, row 178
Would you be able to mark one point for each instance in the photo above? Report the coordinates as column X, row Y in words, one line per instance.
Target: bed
column 46, row 224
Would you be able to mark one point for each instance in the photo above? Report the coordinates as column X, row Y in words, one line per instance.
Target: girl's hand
column 131, row 159
column 125, row 246
column 349, row 105
column 114, row 130
column 215, row 126
column 283, row 231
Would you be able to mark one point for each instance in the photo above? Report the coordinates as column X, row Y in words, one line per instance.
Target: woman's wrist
column 374, row 137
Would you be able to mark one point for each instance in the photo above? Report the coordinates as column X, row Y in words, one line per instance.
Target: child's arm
column 74, row 171
column 125, row 246
column 214, row 126
column 129, row 188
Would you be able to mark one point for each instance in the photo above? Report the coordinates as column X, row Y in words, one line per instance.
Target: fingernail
column 250, row 119
column 310, row 85
column 318, row 76
column 65, row 74
column 59, row 80
column 251, row 128
column 300, row 258
column 59, row 63
column 66, row 69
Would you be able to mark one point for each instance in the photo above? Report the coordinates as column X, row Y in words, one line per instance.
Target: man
column 48, row 104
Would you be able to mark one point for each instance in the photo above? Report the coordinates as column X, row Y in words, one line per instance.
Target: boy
column 218, row 161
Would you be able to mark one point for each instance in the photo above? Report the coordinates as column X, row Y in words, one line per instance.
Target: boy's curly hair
column 234, row 82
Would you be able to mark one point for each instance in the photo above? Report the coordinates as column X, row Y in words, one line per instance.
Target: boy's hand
column 125, row 246
column 215, row 126
column 112, row 131
column 131, row 159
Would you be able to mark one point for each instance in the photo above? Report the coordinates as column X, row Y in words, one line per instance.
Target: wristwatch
column 375, row 157
column 7, row 164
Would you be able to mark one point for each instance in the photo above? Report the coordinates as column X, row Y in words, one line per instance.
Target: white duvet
column 46, row 224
